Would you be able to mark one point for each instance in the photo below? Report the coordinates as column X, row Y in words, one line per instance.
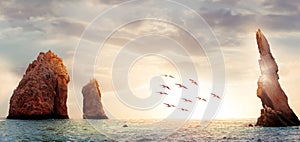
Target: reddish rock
column 42, row 92
column 276, row 111
column 92, row 106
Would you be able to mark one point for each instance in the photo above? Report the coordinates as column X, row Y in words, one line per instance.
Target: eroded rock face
column 276, row 111
column 92, row 106
column 42, row 92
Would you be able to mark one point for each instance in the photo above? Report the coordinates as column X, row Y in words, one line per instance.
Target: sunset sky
column 29, row 27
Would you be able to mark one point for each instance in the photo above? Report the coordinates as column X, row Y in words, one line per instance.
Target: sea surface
column 142, row 130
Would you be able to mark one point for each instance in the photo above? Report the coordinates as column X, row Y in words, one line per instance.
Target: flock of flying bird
column 184, row 87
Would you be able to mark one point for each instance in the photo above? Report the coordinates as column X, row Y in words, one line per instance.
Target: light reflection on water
column 82, row 130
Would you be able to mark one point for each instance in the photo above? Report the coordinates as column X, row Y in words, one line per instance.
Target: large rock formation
column 42, row 92
column 92, row 106
column 276, row 111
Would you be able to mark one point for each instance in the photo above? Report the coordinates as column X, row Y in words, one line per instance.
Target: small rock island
column 92, row 106
column 42, row 93
column 276, row 111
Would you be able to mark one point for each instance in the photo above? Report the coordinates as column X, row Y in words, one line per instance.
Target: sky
column 142, row 40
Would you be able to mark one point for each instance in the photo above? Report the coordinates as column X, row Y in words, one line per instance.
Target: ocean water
column 141, row 130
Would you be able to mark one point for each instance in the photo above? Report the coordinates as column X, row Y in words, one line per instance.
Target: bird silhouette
column 166, row 75
column 183, row 109
column 165, row 86
column 216, row 96
column 181, row 86
column 169, row 105
column 193, row 82
column 187, row 100
column 201, row 99
column 163, row 93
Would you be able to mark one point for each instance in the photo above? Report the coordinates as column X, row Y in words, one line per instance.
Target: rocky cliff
column 42, row 92
column 92, row 106
column 276, row 111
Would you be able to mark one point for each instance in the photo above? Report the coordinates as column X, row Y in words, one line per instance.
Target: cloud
column 236, row 17
column 67, row 27
column 282, row 23
column 41, row 16
column 23, row 10
column 110, row 2
column 228, row 20
column 283, row 7
column 10, row 32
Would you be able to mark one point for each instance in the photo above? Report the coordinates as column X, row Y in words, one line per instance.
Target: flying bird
column 187, row 100
column 166, row 75
column 169, row 105
column 163, row 93
column 193, row 82
column 165, row 86
column 183, row 109
column 201, row 99
column 181, row 86
column 216, row 96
